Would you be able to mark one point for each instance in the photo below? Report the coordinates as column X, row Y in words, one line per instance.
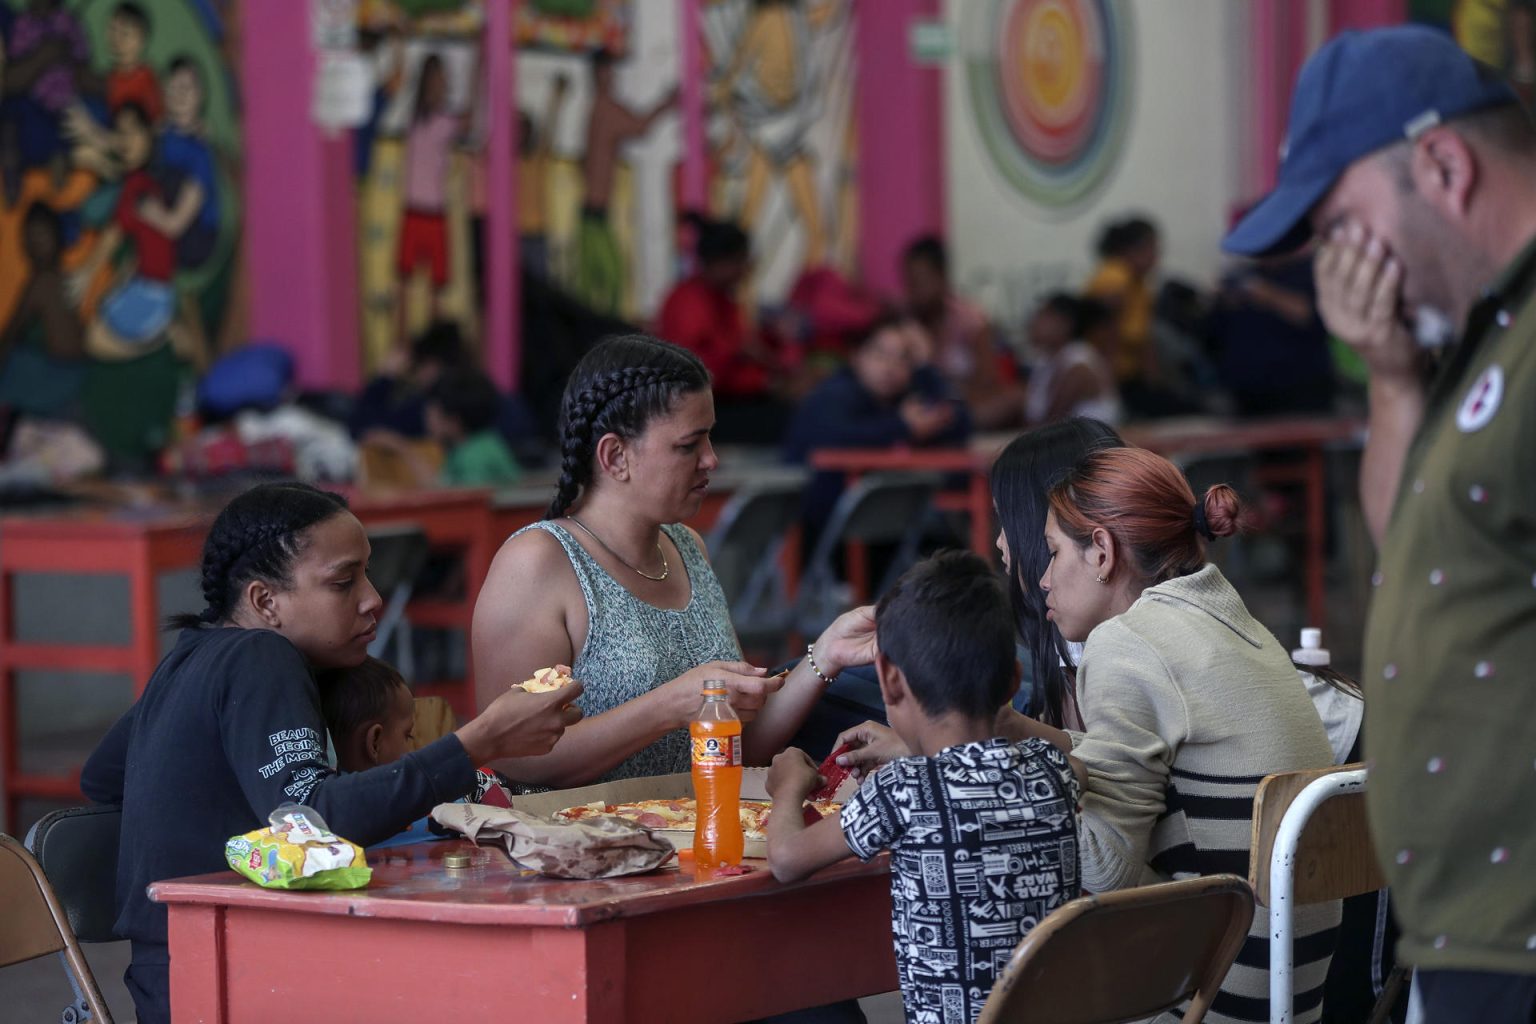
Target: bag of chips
column 298, row 851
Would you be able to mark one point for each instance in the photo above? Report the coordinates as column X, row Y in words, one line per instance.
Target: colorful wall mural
column 418, row 160
column 1048, row 82
column 783, row 144
column 601, row 142
column 119, row 209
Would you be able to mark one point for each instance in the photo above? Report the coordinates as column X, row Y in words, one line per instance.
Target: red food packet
column 834, row 773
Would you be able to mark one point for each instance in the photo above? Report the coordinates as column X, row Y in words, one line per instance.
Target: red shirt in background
column 135, row 85
column 710, row 323
column 156, row 252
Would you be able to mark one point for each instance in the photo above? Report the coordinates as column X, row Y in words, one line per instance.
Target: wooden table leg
column 982, row 534
column 856, row 560
column 144, row 614
column 199, row 990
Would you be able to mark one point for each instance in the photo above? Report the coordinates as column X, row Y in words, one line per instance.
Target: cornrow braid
column 256, row 536
column 618, row 387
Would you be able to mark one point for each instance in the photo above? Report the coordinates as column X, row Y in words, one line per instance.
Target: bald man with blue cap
column 1414, row 169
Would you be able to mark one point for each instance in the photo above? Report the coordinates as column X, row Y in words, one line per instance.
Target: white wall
column 1180, row 164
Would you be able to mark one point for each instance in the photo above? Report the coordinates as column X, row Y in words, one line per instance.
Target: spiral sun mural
column 1048, row 83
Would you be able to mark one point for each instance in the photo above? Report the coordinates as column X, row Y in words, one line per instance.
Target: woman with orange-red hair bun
column 1187, row 701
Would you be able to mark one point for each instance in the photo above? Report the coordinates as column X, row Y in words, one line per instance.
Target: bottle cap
column 456, row 861
column 1311, row 652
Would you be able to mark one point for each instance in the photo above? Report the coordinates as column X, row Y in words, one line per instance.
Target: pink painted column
column 1277, row 40
column 899, row 108
column 300, row 231
column 1344, row 14
column 503, row 335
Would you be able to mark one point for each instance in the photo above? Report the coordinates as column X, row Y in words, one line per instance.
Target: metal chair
column 1311, row 844
column 34, row 924
column 881, row 508
column 399, row 554
column 745, row 548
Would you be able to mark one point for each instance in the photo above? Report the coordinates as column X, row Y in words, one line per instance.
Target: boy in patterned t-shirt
column 982, row 831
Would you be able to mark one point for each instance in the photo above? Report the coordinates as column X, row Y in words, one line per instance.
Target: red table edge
column 223, row 889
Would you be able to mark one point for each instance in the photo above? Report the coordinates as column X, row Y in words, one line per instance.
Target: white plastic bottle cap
column 1311, row 652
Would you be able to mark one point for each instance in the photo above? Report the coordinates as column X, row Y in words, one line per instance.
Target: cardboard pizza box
column 754, row 786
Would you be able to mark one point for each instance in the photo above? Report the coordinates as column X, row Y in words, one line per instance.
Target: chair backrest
column 1335, row 857
column 399, row 553
column 434, row 719
column 750, row 530
column 384, row 466
column 77, row 848
column 32, row 924
column 1126, row 955
column 881, row 508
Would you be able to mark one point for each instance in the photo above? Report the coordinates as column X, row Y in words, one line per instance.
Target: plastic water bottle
column 716, row 735
column 1311, row 653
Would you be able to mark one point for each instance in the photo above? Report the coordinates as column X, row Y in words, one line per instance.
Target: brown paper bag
column 600, row 847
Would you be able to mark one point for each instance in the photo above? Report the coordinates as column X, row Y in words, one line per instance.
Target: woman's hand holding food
column 749, row 687
column 521, row 724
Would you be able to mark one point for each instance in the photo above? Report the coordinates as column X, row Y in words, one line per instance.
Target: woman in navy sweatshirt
column 229, row 726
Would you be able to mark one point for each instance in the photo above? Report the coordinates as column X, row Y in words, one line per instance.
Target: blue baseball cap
column 1360, row 92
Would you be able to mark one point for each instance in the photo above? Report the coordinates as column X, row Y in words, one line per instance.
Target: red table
column 137, row 542
column 1309, row 435
column 424, row 943
column 142, row 539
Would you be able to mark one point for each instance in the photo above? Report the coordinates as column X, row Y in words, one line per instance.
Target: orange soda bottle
column 716, row 735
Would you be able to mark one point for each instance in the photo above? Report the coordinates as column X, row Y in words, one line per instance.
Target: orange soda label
column 717, row 751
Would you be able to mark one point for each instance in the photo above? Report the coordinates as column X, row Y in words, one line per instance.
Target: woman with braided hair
column 612, row 583
column 229, row 726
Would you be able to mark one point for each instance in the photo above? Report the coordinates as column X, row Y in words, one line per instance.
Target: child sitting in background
column 462, row 409
column 394, row 403
column 884, row 397
column 370, row 714
column 982, row 830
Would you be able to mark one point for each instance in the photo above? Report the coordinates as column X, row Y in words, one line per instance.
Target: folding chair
column 399, row 555
column 745, row 547
column 1311, row 844
column 881, row 508
column 1126, row 955
column 33, row 924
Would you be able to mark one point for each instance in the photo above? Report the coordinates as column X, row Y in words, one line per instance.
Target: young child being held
column 369, row 712
column 982, row 831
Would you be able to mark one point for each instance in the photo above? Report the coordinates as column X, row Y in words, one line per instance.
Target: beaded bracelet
column 810, row 659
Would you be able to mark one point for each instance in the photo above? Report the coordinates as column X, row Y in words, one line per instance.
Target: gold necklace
column 665, row 568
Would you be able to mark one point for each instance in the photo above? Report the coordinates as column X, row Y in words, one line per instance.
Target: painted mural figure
column 429, row 144
column 599, row 277
column 139, row 306
column 189, row 212
column 116, row 223
column 536, row 144
column 42, row 345
column 770, row 84
column 45, row 59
